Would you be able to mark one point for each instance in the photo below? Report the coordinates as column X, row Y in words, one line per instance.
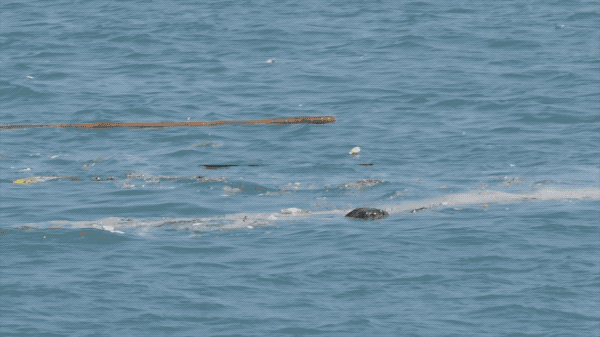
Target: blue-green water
column 484, row 114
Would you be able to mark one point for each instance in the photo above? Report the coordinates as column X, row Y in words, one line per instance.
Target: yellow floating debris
column 26, row 180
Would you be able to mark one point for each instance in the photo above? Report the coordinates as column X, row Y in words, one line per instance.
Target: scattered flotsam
column 355, row 150
column 84, row 167
column 510, row 181
column 271, row 60
column 360, row 184
column 292, row 211
column 111, row 229
column 152, row 178
column 28, row 77
column 230, row 190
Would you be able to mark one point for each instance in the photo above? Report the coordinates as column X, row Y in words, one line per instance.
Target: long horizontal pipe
column 160, row 125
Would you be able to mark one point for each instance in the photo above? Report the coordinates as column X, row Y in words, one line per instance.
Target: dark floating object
column 161, row 125
column 214, row 167
column 367, row 214
column 417, row 210
column 98, row 179
column 366, row 164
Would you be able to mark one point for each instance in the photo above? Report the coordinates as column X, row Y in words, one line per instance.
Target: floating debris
column 111, row 229
column 4, row 156
column 34, row 180
column 27, row 228
column 161, row 125
column 292, row 211
column 367, row 214
column 84, row 167
column 443, row 187
column 127, row 186
column 98, row 179
column 28, row 77
column 355, row 150
column 418, row 209
column 485, row 206
column 112, row 178
column 270, row 61
column 73, row 178
column 366, row 164
column 509, row 181
column 360, row 184
column 231, row 190
column 214, row 167
column 154, row 178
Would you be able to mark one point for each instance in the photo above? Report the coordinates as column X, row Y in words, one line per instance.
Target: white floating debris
column 355, row 150
column 512, row 164
column 272, row 217
column 55, row 156
column 292, row 211
column 127, row 186
column 270, row 60
column 28, row 77
column 250, row 227
column 111, row 229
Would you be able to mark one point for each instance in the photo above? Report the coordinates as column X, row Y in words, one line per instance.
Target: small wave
column 253, row 220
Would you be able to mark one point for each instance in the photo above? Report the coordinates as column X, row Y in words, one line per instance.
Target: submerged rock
column 367, row 214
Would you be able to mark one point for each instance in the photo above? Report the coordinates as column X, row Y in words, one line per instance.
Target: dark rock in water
column 367, row 214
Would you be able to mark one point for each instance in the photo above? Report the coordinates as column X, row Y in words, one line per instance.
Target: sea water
column 480, row 119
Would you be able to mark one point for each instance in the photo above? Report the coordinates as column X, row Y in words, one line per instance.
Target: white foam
column 246, row 220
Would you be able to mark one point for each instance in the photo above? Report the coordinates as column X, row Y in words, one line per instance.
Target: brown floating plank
column 160, row 125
